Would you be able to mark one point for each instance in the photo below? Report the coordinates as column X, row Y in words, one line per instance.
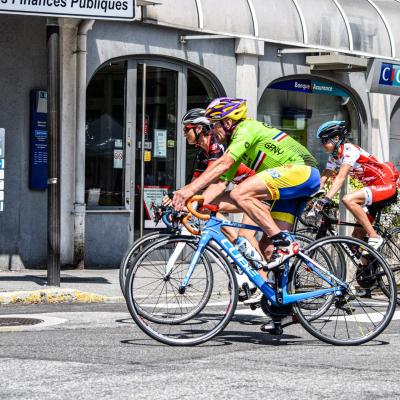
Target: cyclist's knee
column 238, row 194
column 348, row 200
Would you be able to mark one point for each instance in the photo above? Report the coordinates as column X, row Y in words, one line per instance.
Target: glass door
column 157, row 96
column 155, row 165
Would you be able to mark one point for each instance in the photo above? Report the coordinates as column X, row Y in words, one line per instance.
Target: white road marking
column 47, row 322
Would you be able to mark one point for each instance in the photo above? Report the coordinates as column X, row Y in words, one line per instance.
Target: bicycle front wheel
column 133, row 251
column 358, row 312
column 170, row 314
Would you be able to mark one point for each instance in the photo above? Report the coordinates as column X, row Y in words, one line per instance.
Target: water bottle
column 248, row 251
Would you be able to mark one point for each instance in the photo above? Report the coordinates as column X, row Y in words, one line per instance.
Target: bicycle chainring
column 275, row 311
column 365, row 279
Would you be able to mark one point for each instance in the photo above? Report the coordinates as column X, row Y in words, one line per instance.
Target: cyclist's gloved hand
column 324, row 203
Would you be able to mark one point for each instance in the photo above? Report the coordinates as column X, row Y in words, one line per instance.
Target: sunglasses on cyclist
column 187, row 128
column 324, row 140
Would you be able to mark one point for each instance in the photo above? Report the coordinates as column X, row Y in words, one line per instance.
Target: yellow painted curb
column 54, row 296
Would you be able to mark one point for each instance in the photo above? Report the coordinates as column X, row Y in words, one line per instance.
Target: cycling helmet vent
column 196, row 116
column 332, row 128
column 226, row 107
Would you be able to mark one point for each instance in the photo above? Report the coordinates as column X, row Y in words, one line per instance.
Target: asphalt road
column 96, row 352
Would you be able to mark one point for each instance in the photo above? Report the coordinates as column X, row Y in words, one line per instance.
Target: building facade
column 299, row 63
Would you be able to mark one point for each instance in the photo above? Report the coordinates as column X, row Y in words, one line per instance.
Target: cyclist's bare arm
column 210, row 175
column 326, row 174
column 214, row 191
column 339, row 180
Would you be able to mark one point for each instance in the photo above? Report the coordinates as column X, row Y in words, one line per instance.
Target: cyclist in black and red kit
column 198, row 131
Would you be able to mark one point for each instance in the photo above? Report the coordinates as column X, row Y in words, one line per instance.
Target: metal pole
column 142, row 150
column 53, row 191
column 80, row 151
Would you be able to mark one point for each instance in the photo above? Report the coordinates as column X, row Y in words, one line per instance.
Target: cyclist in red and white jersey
column 379, row 179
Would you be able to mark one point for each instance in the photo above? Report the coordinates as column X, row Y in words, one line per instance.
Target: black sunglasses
column 324, row 139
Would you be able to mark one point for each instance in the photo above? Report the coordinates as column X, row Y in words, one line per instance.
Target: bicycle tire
column 340, row 270
column 351, row 307
column 390, row 250
column 299, row 272
column 131, row 253
column 160, row 318
column 201, row 326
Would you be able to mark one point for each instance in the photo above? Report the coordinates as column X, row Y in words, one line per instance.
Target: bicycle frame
column 212, row 232
column 327, row 225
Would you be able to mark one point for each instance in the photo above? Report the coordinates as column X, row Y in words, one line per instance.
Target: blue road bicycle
column 182, row 290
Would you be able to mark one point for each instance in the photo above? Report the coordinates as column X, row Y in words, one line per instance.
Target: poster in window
column 118, row 158
column 160, row 143
column 153, row 196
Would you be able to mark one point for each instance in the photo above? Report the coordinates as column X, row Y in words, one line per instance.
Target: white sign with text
column 93, row 9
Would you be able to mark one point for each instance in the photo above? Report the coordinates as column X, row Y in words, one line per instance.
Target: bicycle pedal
column 349, row 310
column 272, row 329
column 363, row 293
column 255, row 306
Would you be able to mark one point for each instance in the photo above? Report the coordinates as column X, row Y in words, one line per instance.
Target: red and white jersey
column 365, row 167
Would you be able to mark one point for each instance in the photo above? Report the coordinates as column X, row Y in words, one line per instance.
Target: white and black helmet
column 195, row 116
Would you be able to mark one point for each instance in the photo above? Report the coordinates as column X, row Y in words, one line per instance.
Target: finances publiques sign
column 93, row 9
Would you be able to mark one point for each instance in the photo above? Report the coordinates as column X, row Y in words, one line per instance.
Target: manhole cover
column 19, row 321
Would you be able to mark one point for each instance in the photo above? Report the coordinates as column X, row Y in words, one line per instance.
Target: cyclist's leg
column 283, row 212
column 366, row 196
column 354, row 202
column 216, row 194
column 359, row 232
column 285, row 182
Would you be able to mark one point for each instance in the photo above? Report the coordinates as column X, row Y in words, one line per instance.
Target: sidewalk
column 82, row 286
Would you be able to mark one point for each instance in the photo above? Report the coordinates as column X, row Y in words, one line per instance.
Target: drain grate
column 13, row 321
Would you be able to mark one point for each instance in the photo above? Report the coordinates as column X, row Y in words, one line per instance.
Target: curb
column 54, row 296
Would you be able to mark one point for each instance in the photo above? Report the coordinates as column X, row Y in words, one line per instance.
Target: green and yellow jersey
column 260, row 147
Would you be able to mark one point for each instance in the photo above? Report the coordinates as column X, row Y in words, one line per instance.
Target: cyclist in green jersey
column 285, row 171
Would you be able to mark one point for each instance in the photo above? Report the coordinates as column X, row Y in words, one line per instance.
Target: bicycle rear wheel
column 350, row 316
column 391, row 252
column 303, row 280
column 133, row 251
column 339, row 259
column 165, row 312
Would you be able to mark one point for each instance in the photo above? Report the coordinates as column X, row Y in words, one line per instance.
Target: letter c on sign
column 397, row 76
column 384, row 74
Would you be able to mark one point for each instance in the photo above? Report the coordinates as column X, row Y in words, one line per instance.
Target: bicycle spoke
column 362, row 309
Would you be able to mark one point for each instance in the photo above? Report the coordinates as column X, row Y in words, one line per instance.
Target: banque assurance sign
column 93, row 9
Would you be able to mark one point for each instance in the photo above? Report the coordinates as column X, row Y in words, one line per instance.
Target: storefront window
column 105, row 144
column 300, row 106
column 200, row 92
